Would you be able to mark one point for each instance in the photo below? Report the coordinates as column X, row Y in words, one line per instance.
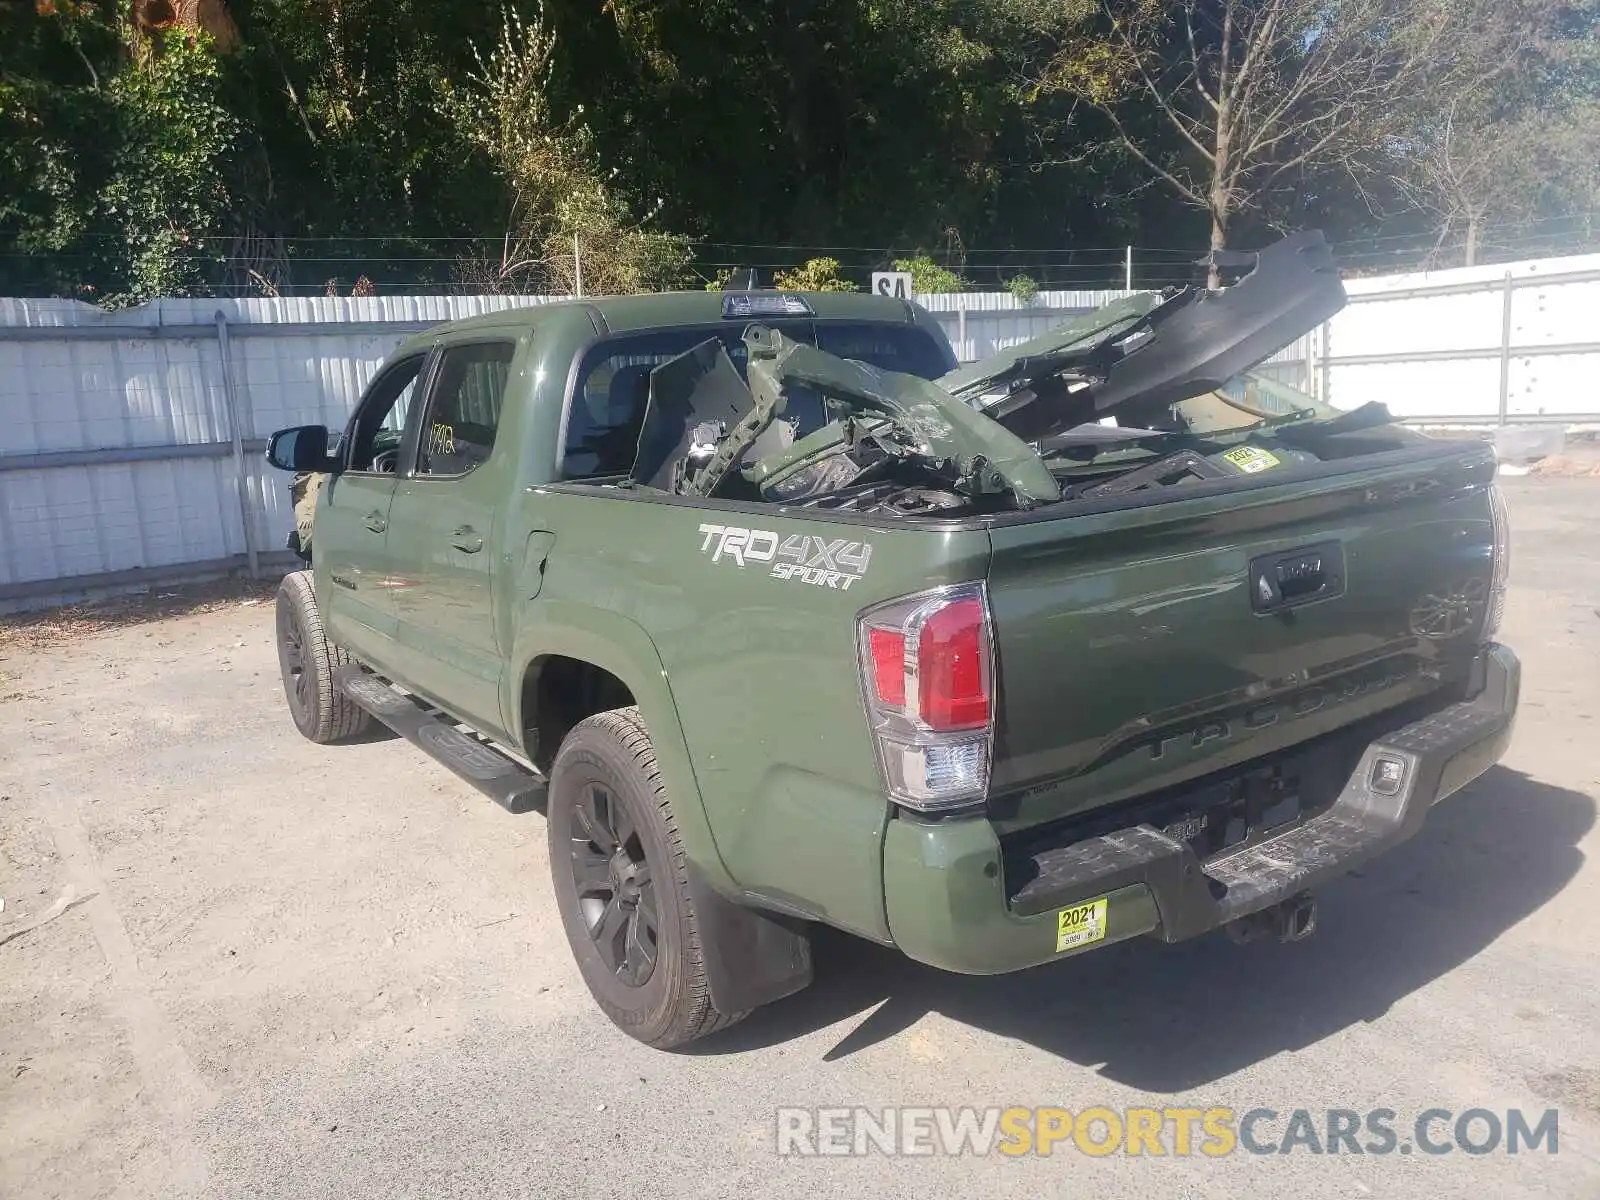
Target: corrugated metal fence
column 131, row 445
column 130, row 449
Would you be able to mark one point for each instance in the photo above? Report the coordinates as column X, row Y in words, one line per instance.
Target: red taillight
column 952, row 691
column 888, row 665
column 927, row 679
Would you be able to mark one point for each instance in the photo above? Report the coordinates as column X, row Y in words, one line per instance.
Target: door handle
column 1281, row 581
column 467, row 539
column 376, row 521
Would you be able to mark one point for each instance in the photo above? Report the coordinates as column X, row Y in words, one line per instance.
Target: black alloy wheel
column 615, row 886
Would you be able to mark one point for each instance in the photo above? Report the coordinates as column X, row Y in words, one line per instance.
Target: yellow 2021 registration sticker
column 1080, row 924
column 1251, row 459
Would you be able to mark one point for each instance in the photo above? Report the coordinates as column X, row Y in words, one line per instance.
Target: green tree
column 1516, row 148
column 1023, row 288
column 568, row 227
column 315, row 142
column 928, row 276
column 1226, row 101
column 53, row 147
column 861, row 122
column 112, row 164
column 166, row 200
column 814, row 275
column 350, row 163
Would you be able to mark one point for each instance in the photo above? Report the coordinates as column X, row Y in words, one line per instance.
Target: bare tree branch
column 1255, row 92
column 1131, row 144
column 1194, row 57
column 1157, row 95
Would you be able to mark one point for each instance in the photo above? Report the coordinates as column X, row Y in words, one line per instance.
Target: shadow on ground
column 1167, row 1018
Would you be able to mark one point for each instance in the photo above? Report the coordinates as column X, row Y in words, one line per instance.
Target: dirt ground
column 233, row 963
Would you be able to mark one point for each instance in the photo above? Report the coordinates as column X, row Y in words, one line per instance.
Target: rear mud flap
column 751, row 958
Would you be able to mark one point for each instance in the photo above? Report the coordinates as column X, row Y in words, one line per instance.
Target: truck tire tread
column 336, row 716
column 694, row 1015
column 635, row 738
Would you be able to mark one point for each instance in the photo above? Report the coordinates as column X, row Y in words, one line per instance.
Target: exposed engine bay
column 1044, row 421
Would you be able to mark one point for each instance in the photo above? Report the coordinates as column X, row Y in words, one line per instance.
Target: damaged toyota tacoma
column 783, row 618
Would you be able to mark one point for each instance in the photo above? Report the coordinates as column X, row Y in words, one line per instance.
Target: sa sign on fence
column 892, row 283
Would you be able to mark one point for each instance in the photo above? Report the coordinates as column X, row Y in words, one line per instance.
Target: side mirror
column 301, row 448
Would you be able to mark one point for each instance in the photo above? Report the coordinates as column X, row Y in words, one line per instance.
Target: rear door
column 443, row 526
column 350, row 553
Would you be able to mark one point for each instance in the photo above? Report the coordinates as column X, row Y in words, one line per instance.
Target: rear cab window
column 606, row 408
column 1246, row 401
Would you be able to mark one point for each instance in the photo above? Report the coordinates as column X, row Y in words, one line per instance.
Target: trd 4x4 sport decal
column 820, row 562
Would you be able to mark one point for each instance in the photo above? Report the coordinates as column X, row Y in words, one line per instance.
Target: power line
column 903, row 249
column 1514, row 226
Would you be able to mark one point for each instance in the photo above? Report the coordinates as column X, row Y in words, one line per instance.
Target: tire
column 307, row 661
column 608, row 817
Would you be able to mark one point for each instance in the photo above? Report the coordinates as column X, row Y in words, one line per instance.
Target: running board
column 504, row 780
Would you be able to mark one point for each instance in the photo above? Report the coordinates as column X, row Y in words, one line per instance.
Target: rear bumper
column 944, row 882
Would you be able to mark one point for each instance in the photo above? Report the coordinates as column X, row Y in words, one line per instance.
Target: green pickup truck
column 783, row 618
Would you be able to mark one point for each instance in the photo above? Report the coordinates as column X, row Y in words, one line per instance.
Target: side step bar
column 504, row 780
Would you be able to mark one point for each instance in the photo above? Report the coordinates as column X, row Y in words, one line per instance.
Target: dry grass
column 54, row 626
column 1569, row 466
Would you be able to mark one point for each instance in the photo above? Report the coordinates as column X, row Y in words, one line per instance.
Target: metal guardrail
column 1423, row 356
column 41, row 460
column 1516, row 282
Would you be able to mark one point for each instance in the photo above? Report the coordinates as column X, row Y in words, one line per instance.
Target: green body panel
column 620, row 314
column 733, row 626
column 777, row 790
column 758, row 672
column 616, row 644
column 352, row 581
column 973, row 378
column 947, row 906
column 446, row 631
column 1131, row 660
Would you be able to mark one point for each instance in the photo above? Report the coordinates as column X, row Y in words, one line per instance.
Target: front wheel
column 307, row 660
column 621, row 882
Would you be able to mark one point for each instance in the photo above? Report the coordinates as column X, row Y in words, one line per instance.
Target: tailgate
column 1131, row 658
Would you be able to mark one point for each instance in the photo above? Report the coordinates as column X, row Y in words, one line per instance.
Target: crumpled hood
column 704, row 426
column 1087, row 329
column 701, row 421
column 990, row 456
column 1145, row 353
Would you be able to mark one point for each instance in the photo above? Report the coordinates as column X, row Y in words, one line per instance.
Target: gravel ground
column 285, row 970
